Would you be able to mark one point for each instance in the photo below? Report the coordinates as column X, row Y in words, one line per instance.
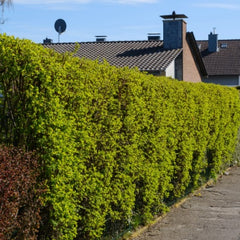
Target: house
column 221, row 59
column 176, row 56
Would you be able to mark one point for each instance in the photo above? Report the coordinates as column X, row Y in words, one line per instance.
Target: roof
column 145, row 55
column 226, row 61
column 196, row 53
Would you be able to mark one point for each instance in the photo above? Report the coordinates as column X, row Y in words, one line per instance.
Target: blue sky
column 118, row 19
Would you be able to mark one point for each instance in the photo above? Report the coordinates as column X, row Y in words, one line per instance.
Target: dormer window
column 223, row 45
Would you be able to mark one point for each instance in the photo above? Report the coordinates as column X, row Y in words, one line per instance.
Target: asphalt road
column 212, row 213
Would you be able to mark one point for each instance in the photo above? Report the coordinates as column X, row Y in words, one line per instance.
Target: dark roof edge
column 232, row 39
column 224, row 75
column 196, row 53
column 88, row 42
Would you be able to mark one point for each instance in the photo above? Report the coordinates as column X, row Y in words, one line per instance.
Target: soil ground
column 212, row 213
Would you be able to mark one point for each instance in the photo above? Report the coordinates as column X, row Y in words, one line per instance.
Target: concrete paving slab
column 213, row 213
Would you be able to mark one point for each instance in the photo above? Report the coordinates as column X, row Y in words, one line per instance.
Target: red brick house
column 176, row 56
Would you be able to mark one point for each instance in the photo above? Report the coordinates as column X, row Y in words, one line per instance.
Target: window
column 223, row 45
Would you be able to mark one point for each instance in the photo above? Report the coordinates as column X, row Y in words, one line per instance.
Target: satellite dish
column 60, row 26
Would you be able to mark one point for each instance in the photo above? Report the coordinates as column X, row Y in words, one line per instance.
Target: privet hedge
column 115, row 144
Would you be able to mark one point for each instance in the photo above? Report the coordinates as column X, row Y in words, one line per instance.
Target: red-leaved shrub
column 19, row 194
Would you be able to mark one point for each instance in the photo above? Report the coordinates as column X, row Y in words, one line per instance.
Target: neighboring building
column 221, row 59
column 177, row 56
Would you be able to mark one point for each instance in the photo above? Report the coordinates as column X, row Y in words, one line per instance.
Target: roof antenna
column 214, row 30
column 60, row 26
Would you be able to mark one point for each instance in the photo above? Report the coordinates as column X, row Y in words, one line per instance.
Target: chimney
column 213, row 42
column 101, row 38
column 47, row 41
column 174, row 30
column 153, row 36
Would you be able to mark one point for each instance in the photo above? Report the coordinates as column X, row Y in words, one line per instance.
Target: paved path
column 213, row 213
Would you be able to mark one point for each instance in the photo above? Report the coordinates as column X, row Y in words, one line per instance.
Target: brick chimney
column 174, row 30
column 212, row 42
column 175, row 37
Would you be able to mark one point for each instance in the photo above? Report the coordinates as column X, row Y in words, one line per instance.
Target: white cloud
column 136, row 1
column 81, row 1
column 219, row 5
column 49, row 1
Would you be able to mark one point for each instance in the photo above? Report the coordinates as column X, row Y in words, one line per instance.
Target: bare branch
column 4, row 3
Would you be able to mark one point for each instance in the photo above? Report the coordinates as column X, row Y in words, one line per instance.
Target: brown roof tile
column 224, row 62
column 145, row 55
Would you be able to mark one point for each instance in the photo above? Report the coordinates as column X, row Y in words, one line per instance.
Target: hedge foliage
column 115, row 144
column 20, row 191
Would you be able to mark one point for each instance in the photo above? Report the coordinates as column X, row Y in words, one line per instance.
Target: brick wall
column 190, row 70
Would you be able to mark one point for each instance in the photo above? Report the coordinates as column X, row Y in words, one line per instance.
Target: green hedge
column 115, row 144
